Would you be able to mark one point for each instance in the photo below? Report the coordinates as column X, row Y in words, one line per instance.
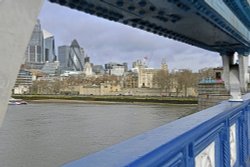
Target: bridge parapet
column 218, row 136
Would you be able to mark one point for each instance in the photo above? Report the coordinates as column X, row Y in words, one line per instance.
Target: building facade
column 98, row 70
column 51, row 68
column 71, row 57
column 145, row 77
column 49, row 47
column 116, row 68
column 23, row 82
column 130, row 80
column 63, row 58
column 35, row 50
column 87, row 70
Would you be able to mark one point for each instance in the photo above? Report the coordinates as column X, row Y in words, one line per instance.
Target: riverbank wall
column 210, row 94
column 128, row 99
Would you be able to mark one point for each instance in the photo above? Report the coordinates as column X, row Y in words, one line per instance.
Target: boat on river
column 13, row 101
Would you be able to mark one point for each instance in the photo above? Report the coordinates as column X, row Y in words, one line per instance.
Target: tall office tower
column 35, row 50
column 49, row 47
column 63, row 56
column 71, row 57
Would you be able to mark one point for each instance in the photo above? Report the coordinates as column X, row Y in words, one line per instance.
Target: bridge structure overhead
column 215, row 25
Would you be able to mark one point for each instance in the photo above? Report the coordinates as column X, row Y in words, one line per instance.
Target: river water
column 51, row 134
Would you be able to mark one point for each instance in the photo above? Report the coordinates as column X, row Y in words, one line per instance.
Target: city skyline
column 105, row 40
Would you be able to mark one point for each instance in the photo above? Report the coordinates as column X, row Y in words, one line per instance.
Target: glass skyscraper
column 71, row 57
column 63, row 58
column 35, row 49
column 41, row 48
column 49, row 47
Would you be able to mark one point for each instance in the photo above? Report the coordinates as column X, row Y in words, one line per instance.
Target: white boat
column 13, row 101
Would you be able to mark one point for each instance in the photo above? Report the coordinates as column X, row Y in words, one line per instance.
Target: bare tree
column 184, row 80
column 163, row 80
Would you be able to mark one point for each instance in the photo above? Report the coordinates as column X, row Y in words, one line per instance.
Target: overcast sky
column 106, row 41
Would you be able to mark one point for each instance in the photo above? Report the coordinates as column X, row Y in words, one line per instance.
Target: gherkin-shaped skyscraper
column 76, row 57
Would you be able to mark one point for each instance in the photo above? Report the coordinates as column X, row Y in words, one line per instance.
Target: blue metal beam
column 196, row 22
column 241, row 8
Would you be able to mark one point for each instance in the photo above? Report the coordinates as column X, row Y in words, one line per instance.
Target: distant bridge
column 219, row 136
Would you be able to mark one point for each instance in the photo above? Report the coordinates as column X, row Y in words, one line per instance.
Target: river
column 51, row 134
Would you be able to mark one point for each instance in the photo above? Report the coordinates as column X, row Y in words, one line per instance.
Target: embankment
column 128, row 99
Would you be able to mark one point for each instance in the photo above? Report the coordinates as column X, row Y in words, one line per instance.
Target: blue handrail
column 217, row 136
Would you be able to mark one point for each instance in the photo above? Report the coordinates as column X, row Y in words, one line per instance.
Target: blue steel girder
column 208, row 24
column 241, row 8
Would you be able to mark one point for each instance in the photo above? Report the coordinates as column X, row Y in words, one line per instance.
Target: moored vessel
column 13, row 101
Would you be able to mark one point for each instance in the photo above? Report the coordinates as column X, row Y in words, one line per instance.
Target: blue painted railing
column 218, row 136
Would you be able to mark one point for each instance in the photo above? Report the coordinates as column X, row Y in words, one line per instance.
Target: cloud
column 106, row 41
